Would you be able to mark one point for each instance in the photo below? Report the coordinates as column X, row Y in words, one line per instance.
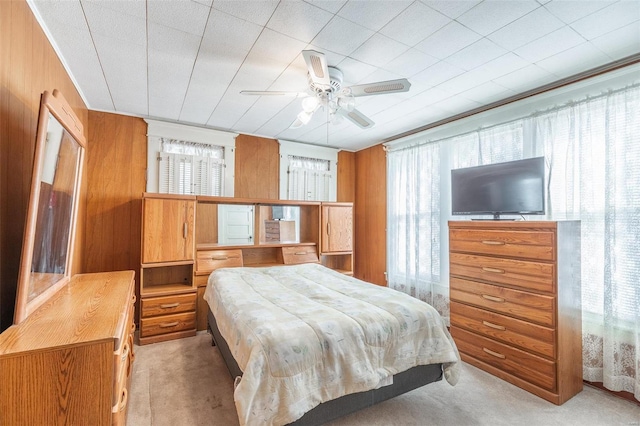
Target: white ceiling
column 186, row 61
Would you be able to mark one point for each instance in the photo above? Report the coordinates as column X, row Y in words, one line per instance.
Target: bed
column 307, row 344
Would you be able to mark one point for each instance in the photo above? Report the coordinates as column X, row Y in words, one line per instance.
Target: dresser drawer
column 167, row 324
column 529, row 275
column 535, row 245
column 163, row 305
column 532, row 307
column 512, row 331
column 299, row 254
column 527, row 366
column 208, row 261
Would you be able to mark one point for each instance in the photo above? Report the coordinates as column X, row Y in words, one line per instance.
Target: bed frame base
column 331, row 410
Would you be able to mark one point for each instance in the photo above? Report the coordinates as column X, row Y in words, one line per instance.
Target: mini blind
column 190, row 168
column 308, row 179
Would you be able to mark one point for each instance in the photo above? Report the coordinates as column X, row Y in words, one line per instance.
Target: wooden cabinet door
column 337, row 228
column 167, row 230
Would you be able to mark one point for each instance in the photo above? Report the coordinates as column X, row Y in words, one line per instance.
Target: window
column 189, row 160
column 190, row 168
column 309, row 178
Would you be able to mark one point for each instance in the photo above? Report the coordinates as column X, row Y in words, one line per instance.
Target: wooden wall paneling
column 28, row 67
column 346, row 191
column 257, row 168
column 371, row 215
column 116, row 168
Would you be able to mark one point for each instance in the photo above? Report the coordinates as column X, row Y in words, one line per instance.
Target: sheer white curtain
column 308, row 179
column 592, row 149
column 413, row 225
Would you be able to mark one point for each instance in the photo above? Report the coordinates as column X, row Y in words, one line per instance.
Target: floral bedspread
column 305, row 334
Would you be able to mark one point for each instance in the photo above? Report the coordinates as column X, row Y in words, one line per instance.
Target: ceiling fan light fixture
column 305, row 117
column 347, row 102
column 310, row 103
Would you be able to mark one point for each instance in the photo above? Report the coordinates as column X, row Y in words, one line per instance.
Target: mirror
column 47, row 246
column 280, row 224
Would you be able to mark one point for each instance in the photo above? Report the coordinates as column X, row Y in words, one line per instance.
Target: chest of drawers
column 515, row 302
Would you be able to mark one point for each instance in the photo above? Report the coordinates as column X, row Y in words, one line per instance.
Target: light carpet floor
column 185, row 382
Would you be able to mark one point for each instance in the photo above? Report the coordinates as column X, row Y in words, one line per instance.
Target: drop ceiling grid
column 167, row 60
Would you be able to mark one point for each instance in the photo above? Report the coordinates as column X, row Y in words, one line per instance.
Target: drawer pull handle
column 300, row 253
column 169, row 324
column 220, row 258
column 494, row 270
column 123, row 399
column 493, row 243
column 492, row 325
column 169, row 305
column 133, row 327
column 133, row 299
column 125, row 352
column 496, row 354
column 493, row 298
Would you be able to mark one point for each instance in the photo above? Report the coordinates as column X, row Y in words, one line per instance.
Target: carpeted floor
column 185, row 382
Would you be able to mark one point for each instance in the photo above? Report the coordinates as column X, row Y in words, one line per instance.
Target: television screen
column 514, row 187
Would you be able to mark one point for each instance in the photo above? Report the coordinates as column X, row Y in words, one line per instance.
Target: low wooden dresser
column 516, row 302
column 70, row 361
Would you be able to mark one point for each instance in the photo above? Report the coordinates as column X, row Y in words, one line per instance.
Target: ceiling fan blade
column 273, row 93
column 380, row 87
column 317, row 65
column 357, row 118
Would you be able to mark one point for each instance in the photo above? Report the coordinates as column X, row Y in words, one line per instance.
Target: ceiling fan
column 325, row 91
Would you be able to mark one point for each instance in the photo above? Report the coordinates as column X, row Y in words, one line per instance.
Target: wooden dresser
column 70, row 361
column 516, row 302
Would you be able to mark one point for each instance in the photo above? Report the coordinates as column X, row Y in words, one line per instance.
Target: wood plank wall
column 371, row 215
column 257, row 168
column 116, row 168
column 28, row 67
column 346, row 191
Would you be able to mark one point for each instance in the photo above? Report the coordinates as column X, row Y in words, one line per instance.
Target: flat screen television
column 514, row 187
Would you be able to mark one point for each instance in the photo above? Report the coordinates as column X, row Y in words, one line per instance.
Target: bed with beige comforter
column 305, row 334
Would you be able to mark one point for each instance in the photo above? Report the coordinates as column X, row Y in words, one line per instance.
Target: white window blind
column 309, row 179
column 190, row 168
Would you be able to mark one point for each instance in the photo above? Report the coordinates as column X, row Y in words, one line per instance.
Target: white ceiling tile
column 620, row 43
column 229, row 110
column 379, row 50
column 332, row 6
column 457, row 104
column 414, row 24
column 275, row 47
column 451, row 8
column 187, row 16
column 355, row 71
column 556, row 42
column 466, row 81
column 165, row 106
column 64, row 13
column 570, row 11
column 226, row 35
column 448, row 40
column 280, row 122
column 504, row 65
column 207, row 3
column 410, row 63
column 573, row 61
column 526, row 29
column 374, row 104
column 437, row 74
column 373, row 14
column 262, row 111
column 137, row 8
column 608, row 19
column 293, row 78
column 257, row 12
column 476, row 54
column 165, row 39
column 299, row 20
column 526, row 78
column 167, row 77
column 333, row 58
column 428, row 97
column 342, row 36
column 487, row 93
column 489, row 16
column 115, row 25
column 124, row 66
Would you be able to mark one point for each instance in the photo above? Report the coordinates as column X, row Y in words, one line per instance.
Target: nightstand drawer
column 508, row 330
column 524, row 244
column 524, row 365
column 527, row 306
column 154, row 306
column 300, row 254
column 518, row 273
column 167, row 324
column 210, row 260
